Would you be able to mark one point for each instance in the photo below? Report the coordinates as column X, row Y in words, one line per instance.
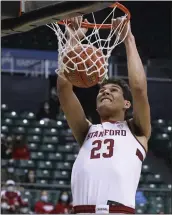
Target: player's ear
column 127, row 104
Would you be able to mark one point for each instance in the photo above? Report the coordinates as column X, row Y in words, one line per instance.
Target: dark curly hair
column 126, row 92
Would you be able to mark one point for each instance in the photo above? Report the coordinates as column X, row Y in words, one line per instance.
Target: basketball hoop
column 105, row 45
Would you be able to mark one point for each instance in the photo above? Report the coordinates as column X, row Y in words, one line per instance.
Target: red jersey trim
column 136, row 138
column 112, row 209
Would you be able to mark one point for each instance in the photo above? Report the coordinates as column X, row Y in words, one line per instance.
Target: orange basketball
column 77, row 63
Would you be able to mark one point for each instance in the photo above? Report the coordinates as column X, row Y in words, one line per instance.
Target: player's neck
column 115, row 118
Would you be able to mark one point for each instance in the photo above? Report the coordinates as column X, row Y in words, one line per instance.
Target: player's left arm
column 138, row 85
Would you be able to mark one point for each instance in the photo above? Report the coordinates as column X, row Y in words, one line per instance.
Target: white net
column 98, row 56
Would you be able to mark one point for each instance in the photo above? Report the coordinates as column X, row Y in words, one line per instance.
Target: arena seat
column 4, row 129
column 47, row 148
column 37, row 156
column 33, row 146
column 10, row 114
column 71, row 157
column 28, row 164
column 67, row 148
column 33, row 138
column 55, row 156
column 50, row 140
column 4, row 163
column 63, row 166
column 22, row 122
column 61, row 175
column 151, row 178
column 51, row 131
column 19, row 130
column 27, row 115
column 7, row 121
column 43, row 174
column 40, row 181
column 44, row 165
column 35, row 131
column 4, row 107
column 20, row 172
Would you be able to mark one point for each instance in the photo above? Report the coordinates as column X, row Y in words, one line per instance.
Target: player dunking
column 106, row 172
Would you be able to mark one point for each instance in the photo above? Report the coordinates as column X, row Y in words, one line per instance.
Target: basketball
column 82, row 61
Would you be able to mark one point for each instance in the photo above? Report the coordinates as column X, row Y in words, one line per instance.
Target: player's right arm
column 69, row 102
column 72, row 109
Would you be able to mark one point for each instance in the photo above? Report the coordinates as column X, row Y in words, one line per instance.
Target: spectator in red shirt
column 63, row 206
column 43, row 206
column 11, row 200
column 20, row 149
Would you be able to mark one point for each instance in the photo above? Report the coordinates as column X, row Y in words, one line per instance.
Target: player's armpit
column 141, row 113
column 73, row 111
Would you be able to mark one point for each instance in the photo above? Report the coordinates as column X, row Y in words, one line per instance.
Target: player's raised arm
column 138, row 85
column 71, row 106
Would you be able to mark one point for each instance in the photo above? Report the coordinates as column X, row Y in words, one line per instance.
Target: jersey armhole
column 90, row 125
column 129, row 126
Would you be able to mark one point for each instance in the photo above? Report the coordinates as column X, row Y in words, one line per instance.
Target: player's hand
column 126, row 32
column 62, row 81
column 74, row 29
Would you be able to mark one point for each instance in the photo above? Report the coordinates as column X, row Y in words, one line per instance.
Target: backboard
column 23, row 16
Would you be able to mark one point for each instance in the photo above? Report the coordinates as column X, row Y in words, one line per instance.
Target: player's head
column 114, row 98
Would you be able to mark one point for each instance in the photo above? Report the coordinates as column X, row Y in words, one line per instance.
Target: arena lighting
column 49, row 146
column 25, row 121
column 35, row 137
column 64, row 173
column 53, row 130
column 41, row 122
column 4, row 127
column 31, row 114
column 48, row 163
column 164, row 135
column 7, row 120
column 45, row 171
column 13, row 113
column 160, row 121
column 157, row 176
column 59, row 123
column 37, row 129
column 3, row 106
column 145, row 167
column 169, row 128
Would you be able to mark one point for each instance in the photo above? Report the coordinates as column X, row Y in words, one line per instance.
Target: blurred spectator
column 140, row 198
column 6, row 147
column 54, row 101
column 31, row 179
column 63, row 206
column 43, row 206
column 46, row 112
column 11, row 199
column 20, row 149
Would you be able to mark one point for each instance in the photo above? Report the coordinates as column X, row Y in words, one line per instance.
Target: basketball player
column 106, row 172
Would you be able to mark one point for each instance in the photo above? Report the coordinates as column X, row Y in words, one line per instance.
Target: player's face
column 110, row 100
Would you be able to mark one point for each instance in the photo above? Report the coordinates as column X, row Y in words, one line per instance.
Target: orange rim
column 103, row 26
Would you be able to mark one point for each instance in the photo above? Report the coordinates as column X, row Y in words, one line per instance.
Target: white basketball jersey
column 108, row 166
